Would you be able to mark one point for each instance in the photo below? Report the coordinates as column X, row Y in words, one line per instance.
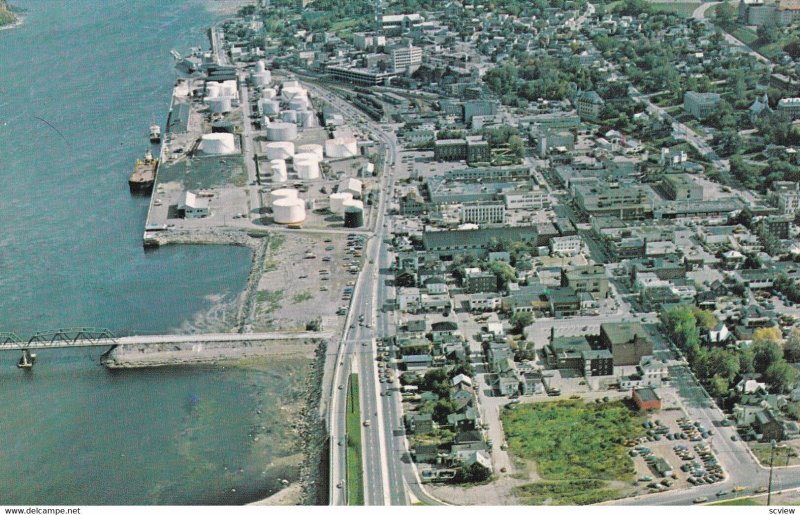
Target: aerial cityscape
column 401, row 252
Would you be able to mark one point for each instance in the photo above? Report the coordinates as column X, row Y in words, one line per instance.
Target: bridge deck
column 161, row 339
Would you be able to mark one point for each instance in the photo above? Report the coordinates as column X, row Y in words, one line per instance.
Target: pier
column 97, row 337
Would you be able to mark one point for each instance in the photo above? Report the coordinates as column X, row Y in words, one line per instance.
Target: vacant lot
column 683, row 10
column 578, row 449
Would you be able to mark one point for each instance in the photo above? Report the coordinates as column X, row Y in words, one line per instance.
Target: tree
column 521, row 320
column 517, row 146
column 781, row 376
column 726, row 13
column 791, row 348
column 768, row 32
column 766, row 353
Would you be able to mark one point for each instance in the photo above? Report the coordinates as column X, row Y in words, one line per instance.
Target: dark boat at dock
column 144, row 175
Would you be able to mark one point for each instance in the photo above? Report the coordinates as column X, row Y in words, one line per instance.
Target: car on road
column 366, row 423
column 700, row 500
column 341, row 387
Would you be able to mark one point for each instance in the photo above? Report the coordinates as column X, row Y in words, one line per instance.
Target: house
column 769, row 425
column 440, row 330
column 478, row 281
column 421, row 423
column 418, row 361
column 701, row 105
column 719, row 334
column 646, row 399
column 425, row 453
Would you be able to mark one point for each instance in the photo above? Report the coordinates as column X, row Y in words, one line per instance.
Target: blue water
column 71, row 432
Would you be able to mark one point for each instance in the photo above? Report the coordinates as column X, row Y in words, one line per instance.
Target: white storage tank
column 279, row 150
column 268, row 93
column 269, row 107
column 338, row 200
column 307, row 119
column 260, row 79
column 213, row 89
column 220, row 104
column 299, row 104
column 341, row 147
column 289, row 211
column 283, row 193
column 260, row 66
column 293, row 93
column 289, row 116
column 218, row 143
column 353, row 203
column 278, row 169
column 306, row 166
column 281, row 131
column 311, row 148
column 229, row 89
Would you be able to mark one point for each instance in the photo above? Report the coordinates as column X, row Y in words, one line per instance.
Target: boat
column 27, row 360
column 144, row 174
column 155, row 133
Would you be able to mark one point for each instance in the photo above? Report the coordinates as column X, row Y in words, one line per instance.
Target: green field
column 743, row 501
column 577, row 447
column 683, row 10
column 355, row 473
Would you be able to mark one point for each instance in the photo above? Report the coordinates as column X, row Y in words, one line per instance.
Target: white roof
column 196, row 202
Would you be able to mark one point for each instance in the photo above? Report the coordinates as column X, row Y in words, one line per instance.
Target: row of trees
column 720, row 367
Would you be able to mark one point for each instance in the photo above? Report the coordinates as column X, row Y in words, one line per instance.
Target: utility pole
column 773, row 445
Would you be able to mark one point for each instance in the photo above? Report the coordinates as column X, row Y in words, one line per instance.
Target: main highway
column 388, row 473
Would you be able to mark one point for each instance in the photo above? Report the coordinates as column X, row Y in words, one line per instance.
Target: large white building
column 482, row 213
column 790, row 106
column 405, row 58
column 533, row 199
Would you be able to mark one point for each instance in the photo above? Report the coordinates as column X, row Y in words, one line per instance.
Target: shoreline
column 13, row 25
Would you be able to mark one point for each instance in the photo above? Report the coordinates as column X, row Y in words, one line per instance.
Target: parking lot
column 674, row 454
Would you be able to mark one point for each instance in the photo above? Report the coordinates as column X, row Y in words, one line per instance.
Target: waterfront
column 71, row 254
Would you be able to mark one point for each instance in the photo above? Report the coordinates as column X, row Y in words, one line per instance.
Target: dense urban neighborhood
column 573, row 238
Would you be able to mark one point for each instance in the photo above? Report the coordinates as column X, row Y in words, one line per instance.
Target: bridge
column 99, row 337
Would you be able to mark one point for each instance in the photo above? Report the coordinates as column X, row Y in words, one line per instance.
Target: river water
column 99, row 73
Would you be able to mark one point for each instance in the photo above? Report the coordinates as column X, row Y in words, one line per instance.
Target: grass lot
column 762, row 452
column 744, row 501
column 577, row 447
column 567, row 493
column 681, row 9
column 355, row 473
column 272, row 299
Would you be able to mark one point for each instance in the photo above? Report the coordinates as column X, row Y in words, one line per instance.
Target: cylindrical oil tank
column 307, row 119
column 278, row 169
column 218, row 143
column 341, row 147
column 338, row 200
column 269, row 107
column 289, row 211
column 307, row 168
column 283, row 193
column 213, row 89
column 311, row 148
column 279, row 150
column 260, row 66
column 289, row 116
column 229, row 88
column 281, row 131
column 292, row 93
column 220, row 104
column 260, row 79
column 299, row 103
column 353, row 217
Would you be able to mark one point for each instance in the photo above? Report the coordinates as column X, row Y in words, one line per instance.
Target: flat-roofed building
column 701, row 105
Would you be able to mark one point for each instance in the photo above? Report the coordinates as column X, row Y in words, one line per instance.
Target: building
column 625, row 202
column 194, row 206
column 564, row 302
column 566, row 245
column 397, row 24
column 790, row 107
column 535, row 198
column 589, row 279
column 700, row 105
column 477, row 281
column 474, row 108
column 597, row 363
column 589, row 105
column 359, row 76
column 786, row 195
column 404, row 58
column 777, row 226
column 627, row 341
column 450, row 150
column 478, row 150
column 681, row 187
column 646, row 399
column 482, row 213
